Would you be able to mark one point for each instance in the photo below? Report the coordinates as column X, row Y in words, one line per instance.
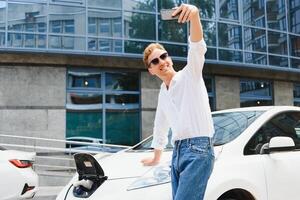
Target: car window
column 228, row 126
column 284, row 124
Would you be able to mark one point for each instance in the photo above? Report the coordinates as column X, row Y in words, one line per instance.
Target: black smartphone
column 166, row 14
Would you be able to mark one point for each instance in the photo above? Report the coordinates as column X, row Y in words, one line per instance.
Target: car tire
column 228, row 199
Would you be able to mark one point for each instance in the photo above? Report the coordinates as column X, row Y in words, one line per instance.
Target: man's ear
column 150, row 70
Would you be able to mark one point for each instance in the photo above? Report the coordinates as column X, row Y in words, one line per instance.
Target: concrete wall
column 283, row 93
column 32, row 101
column 227, row 92
column 150, row 86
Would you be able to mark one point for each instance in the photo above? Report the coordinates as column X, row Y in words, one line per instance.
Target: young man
column 183, row 106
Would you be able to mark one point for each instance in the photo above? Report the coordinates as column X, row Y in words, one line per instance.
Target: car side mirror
column 279, row 143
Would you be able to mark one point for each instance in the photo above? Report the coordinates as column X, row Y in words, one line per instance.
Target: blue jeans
column 192, row 164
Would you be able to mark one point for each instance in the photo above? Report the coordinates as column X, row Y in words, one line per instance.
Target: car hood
column 20, row 155
column 127, row 164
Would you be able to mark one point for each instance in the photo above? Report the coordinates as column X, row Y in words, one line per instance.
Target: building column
column 283, row 93
column 150, row 87
column 227, row 92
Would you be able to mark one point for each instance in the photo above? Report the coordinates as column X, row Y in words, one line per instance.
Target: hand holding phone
column 166, row 14
column 184, row 13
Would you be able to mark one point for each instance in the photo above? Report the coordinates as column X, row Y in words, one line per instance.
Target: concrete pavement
column 47, row 192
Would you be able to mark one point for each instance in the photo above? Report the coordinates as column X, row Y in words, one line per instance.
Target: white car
column 18, row 180
column 256, row 157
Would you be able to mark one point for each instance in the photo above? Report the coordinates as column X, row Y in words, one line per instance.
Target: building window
column 229, row 9
column 294, row 17
column 26, row 28
column 103, row 26
column 255, row 93
column 134, row 26
column 276, row 17
column 65, row 27
column 230, row 36
column 297, row 94
column 254, row 39
column 295, row 45
column 207, row 8
column 104, row 105
column 254, row 13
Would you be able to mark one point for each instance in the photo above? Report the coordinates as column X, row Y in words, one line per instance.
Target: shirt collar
column 172, row 83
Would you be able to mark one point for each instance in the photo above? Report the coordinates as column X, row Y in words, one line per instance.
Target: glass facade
column 297, row 94
column 255, row 93
column 253, row 33
column 104, row 105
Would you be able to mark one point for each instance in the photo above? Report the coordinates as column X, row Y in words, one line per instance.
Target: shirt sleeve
column 196, row 57
column 161, row 128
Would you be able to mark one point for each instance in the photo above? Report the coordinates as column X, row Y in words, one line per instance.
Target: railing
column 55, row 155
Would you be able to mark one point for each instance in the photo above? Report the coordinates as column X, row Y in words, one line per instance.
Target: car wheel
column 228, row 199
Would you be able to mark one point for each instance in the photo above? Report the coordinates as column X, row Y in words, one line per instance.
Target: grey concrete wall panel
column 149, row 98
column 283, row 93
column 150, row 86
column 148, row 122
column 32, row 86
column 227, row 92
column 149, row 81
column 33, row 123
column 23, row 120
column 57, row 123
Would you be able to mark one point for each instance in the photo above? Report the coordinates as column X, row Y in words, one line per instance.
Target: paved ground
column 47, row 193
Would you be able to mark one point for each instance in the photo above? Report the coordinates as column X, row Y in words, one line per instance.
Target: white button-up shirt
column 184, row 107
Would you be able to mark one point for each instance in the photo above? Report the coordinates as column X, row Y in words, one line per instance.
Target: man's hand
column 186, row 13
column 152, row 161
column 149, row 162
column 190, row 13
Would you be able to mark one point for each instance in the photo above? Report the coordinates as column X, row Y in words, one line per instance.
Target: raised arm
column 197, row 46
column 190, row 13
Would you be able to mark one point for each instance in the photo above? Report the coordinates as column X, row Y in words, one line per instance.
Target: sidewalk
column 47, row 193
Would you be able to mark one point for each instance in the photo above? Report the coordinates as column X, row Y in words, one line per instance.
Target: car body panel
column 234, row 173
column 280, row 167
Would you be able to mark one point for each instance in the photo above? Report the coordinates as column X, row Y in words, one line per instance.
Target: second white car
column 18, row 180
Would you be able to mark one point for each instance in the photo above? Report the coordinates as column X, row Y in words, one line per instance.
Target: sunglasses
column 155, row 61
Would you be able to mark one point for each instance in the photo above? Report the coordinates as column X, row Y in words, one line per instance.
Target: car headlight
column 159, row 175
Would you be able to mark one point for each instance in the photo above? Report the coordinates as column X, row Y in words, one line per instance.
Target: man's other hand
column 149, row 161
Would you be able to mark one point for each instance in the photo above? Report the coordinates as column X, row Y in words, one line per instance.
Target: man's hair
column 149, row 49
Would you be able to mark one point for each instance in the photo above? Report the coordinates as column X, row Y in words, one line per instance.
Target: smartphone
column 166, row 14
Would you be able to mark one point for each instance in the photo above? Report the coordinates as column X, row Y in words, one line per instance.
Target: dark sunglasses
column 155, row 61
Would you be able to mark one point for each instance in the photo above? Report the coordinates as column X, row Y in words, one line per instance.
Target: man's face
column 160, row 64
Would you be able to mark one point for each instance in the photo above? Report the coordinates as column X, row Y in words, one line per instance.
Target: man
column 183, row 106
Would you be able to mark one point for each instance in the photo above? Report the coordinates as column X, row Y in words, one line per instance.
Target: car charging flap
column 88, row 167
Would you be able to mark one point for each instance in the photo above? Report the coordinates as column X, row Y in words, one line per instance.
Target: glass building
column 253, row 59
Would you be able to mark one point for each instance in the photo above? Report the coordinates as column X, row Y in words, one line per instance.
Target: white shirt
column 184, row 107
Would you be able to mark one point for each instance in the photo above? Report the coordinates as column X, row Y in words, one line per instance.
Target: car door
column 282, row 167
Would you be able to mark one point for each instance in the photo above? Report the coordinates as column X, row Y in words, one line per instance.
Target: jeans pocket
column 199, row 148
